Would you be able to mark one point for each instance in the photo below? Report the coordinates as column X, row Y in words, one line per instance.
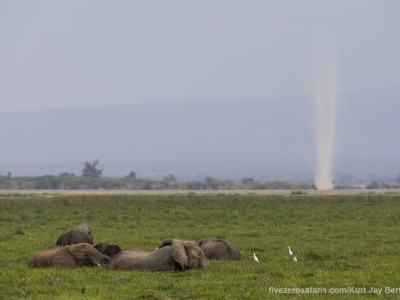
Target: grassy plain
column 341, row 241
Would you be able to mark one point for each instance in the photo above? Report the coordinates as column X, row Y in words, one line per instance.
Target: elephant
column 178, row 255
column 219, row 249
column 76, row 255
column 44, row 258
column 109, row 250
column 79, row 234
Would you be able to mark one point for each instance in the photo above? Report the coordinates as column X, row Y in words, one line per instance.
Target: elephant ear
column 101, row 247
column 64, row 239
column 178, row 252
column 64, row 257
column 167, row 242
column 195, row 255
column 235, row 253
column 90, row 239
column 88, row 229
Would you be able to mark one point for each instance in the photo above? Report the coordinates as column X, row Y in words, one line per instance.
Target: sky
column 67, row 54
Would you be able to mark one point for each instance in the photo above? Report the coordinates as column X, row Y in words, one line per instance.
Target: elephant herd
column 173, row 254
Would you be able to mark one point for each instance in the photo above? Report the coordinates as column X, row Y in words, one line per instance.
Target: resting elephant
column 44, row 258
column 109, row 250
column 178, row 255
column 79, row 234
column 76, row 255
column 219, row 249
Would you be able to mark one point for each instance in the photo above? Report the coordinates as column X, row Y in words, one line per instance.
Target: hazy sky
column 60, row 54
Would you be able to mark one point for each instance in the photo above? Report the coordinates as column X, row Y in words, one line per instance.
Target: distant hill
column 261, row 138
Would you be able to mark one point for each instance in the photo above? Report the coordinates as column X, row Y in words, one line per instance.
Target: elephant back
column 219, row 249
column 79, row 234
column 43, row 258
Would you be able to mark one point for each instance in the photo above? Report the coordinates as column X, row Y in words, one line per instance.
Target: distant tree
column 398, row 178
column 131, row 175
column 66, row 175
column 374, row 185
column 211, row 182
column 171, row 182
column 378, row 185
column 170, row 178
column 46, row 182
column 91, row 169
column 249, row 182
column 196, row 185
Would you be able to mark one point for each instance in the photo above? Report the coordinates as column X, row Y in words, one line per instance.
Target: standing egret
column 294, row 259
column 255, row 258
column 290, row 251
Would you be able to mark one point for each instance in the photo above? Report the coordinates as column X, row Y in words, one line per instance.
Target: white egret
column 294, row 259
column 255, row 258
column 290, row 251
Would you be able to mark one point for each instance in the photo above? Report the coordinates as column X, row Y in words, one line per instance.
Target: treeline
column 68, row 181
column 91, row 178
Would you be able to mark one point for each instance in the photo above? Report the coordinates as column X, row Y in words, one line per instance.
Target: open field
column 338, row 192
column 341, row 241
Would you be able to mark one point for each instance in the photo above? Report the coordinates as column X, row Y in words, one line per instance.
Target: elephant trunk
column 104, row 261
column 95, row 260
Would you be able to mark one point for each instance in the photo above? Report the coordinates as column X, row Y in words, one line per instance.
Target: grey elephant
column 109, row 250
column 178, row 255
column 219, row 249
column 79, row 234
column 76, row 255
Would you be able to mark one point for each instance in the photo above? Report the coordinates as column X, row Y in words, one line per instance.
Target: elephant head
column 76, row 255
column 178, row 255
column 188, row 255
column 219, row 249
column 109, row 250
column 79, row 234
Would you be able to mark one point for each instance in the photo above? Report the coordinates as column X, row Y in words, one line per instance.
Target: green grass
column 319, row 229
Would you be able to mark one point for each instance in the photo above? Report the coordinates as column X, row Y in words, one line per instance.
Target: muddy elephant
column 79, row 234
column 76, row 255
column 219, row 249
column 178, row 255
column 109, row 250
